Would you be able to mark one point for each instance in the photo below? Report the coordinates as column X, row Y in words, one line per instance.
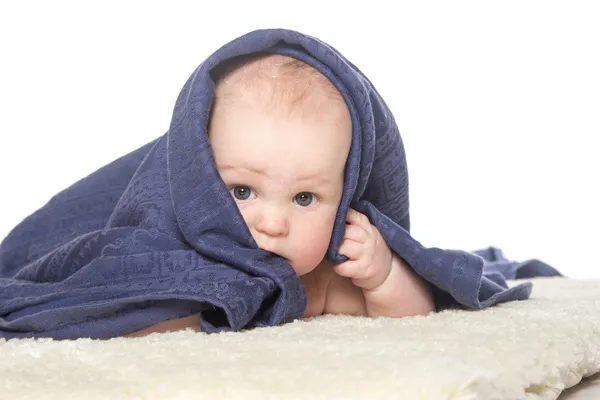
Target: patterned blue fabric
column 155, row 235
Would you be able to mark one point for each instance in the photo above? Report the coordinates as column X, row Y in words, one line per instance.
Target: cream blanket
column 522, row 350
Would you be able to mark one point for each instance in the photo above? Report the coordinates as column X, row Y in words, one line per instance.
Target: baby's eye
column 241, row 192
column 305, row 199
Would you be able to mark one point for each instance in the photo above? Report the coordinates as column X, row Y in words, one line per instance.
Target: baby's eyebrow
column 259, row 171
column 317, row 178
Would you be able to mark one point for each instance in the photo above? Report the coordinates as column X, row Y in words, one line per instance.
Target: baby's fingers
column 356, row 233
column 351, row 249
column 357, row 272
column 356, row 218
column 349, row 269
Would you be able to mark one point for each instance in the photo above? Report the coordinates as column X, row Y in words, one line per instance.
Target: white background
column 498, row 103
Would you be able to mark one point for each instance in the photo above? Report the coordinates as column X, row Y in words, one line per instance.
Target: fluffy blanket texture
column 531, row 349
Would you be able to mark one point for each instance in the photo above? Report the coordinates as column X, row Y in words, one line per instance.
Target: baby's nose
column 273, row 223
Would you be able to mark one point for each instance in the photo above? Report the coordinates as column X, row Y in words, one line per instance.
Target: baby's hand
column 369, row 257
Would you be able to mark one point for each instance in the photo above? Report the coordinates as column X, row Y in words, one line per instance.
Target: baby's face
column 286, row 174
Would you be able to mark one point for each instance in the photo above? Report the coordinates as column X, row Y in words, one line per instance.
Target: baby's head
column 281, row 133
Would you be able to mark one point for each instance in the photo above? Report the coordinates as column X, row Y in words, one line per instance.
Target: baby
column 281, row 132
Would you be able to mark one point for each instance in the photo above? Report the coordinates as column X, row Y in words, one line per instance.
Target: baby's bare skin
column 180, row 324
column 403, row 294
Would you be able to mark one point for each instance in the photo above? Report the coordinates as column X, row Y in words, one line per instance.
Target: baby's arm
column 402, row 294
column 389, row 286
column 173, row 325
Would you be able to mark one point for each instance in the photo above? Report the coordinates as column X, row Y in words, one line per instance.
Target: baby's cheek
column 315, row 247
column 311, row 248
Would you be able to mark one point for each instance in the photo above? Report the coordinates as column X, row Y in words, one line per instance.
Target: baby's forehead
column 278, row 80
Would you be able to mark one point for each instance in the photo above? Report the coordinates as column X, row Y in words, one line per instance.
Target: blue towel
column 155, row 235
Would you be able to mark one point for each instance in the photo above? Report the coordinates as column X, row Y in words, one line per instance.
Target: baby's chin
column 304, row 269
column 303, row 265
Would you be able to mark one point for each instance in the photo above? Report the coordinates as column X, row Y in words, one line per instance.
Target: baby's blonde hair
column 278, row 82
